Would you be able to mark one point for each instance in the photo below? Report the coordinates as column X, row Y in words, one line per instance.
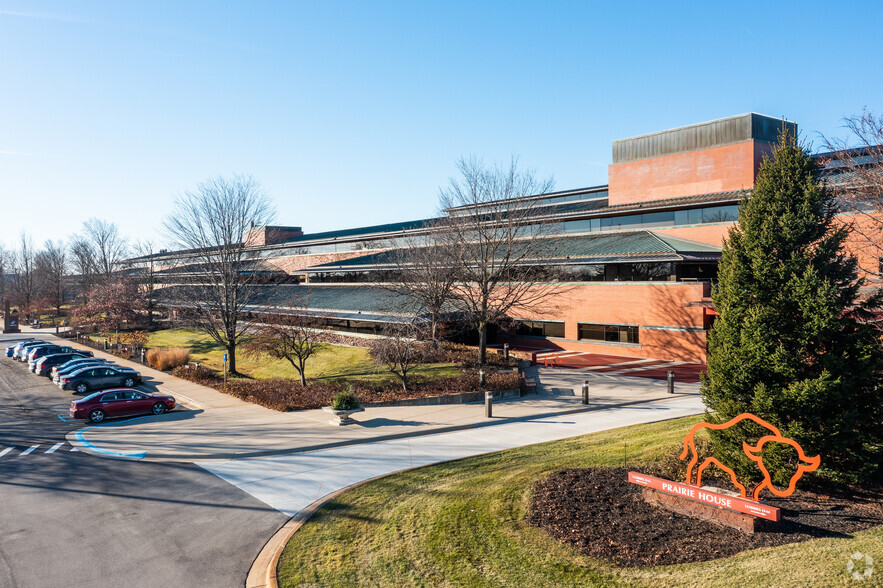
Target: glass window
column 540, row 328
column 577, row 225
column 609, row 333
column 666, row 217
column 720, row 214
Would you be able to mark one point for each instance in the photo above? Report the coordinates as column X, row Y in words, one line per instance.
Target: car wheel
column 82, row 387
column 129, row 382
column 96, row 416
column 159, row 408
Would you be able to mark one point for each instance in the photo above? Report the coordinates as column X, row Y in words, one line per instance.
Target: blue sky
column 354, row 113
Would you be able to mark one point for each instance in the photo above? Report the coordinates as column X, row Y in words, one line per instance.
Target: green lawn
column 331, row 362
column 463, row 524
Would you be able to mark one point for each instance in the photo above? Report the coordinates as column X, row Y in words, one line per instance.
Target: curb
column 264, row 568
column 198, row 457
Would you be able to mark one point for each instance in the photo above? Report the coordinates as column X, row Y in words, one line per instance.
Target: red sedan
column 120, row 402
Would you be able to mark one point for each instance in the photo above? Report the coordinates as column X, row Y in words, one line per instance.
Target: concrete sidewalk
column 253, row 431
column 220, row 427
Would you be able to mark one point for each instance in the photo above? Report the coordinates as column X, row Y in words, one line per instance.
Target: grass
column 332, row 362
column 463, row 524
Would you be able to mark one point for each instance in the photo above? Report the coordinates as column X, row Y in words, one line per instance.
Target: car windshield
column 93, row 396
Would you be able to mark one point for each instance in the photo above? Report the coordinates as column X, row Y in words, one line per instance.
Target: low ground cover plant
column 286, row 394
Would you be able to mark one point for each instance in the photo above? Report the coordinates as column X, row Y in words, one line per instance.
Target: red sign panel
column 707, row 497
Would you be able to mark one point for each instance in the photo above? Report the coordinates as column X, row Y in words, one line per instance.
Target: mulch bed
column 599, row 513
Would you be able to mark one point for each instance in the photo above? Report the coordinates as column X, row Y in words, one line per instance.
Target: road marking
column 54, row 447
column 5, row 451
column 28, row 450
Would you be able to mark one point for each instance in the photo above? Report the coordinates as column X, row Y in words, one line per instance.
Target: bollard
column 585, row 392
column 105, row 344
column 506, row 351
column 671, row 382
column 142, row 355
column 488, row 404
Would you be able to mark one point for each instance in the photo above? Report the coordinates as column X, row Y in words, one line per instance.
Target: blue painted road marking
column 137, row 455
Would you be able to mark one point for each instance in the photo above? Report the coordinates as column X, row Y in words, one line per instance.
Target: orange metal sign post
column 707, row 496
column 807, row 464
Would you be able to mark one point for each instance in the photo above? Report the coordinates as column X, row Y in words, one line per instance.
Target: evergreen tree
column 793, row 344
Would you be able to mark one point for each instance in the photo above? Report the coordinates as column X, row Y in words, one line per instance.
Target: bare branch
column 211, row 226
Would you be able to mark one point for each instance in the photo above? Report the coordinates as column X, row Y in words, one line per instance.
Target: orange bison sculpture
column 807, row 464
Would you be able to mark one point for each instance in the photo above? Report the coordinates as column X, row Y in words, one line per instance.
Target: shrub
column 285, row 394
column 345, row 400
column 166, row 359
column 200, row 375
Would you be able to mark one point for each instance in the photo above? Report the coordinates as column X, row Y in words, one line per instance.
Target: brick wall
column 704, row 171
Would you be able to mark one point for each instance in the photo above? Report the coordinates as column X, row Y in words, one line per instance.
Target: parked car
column 11, row 349
column 36, row 353
column 22, row 348
column 70, row 370
column 99, row 377
column 46, row 363
column 120, row 402
column 74, row 363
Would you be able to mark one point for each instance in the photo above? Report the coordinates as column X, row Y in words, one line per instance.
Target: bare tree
column 499, row 247
column 399, row 350
column 292, row 336
column 5, row 267
column 144, row 271
column 51, row 264
column 25, row 274
column 109, row 248
column 426, row 273
column 212, row 223
column 83, row 264
column 855, row 173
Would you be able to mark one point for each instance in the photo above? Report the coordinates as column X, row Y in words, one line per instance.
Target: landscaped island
column 470, row 523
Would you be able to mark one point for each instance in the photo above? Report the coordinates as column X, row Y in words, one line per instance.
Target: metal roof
column 715, row 133
column 623, row 247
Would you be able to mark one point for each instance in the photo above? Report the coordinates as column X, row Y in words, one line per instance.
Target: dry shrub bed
column 286, row 394
column 166, row 359
column 447, row 352
column 599, row 513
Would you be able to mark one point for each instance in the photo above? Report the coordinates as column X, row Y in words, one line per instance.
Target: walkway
column 656, row 369
column 219, row 427
column 291, row 483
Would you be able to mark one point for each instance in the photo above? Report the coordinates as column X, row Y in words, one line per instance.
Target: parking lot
column 71, row 518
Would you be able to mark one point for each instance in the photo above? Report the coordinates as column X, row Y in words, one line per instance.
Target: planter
column 342, row 417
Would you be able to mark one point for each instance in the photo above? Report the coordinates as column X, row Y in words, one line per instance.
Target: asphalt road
column 69, row 518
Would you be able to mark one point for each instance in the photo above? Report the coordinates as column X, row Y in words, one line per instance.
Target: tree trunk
column 405, row 380
column 482, row 344
column 303, row 378
column 231, row 357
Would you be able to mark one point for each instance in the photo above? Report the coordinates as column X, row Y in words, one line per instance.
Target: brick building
column 641, row 252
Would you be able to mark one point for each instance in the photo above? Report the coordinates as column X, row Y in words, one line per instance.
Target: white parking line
column 54, row 447
column 5, row 451
column 28, row 450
